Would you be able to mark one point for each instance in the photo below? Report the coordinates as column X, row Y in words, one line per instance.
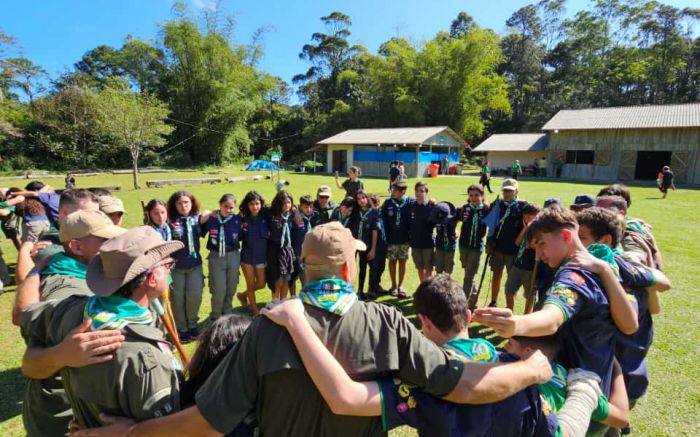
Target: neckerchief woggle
column 115, row 312
column 333, row 295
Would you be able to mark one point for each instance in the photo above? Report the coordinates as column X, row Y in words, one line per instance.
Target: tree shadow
column 12, row 385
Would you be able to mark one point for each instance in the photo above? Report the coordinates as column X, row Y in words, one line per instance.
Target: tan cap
column 509, row 185
column 83, row 223
column 111, row 204
column 123, row 258
column 323, row 191
column 329, row 245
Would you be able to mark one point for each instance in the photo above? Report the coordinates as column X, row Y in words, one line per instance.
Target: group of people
column 330, row 361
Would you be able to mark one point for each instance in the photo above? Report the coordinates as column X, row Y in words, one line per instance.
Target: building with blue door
column 373, row 149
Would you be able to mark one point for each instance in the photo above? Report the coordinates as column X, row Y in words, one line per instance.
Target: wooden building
column 503, row 149
column 373, row 149
column 626, row 143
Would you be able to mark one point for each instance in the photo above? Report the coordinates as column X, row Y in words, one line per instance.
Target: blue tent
column 261, row 164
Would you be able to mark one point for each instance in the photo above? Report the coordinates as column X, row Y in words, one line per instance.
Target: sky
column 55, row 34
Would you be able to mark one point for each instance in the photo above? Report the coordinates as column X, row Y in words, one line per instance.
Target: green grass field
column 672, row 405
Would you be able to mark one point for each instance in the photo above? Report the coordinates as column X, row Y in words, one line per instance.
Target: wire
column 224, row 133
column 178, row 144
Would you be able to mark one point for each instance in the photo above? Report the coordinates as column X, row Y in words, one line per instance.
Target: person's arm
column 343, row 395
column 27, row 293
column 15, row 200
column 338, row 184
column 24, row 262
column 619, row 414
column 25, row 194
column 79, row 349
column 204, row 216
column 373, row 250
column 538, row 324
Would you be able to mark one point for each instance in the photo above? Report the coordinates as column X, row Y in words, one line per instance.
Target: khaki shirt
column 264, row 374
column 140, row 382
column 45, row 408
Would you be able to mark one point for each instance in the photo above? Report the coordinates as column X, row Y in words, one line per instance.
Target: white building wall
column 504, row 160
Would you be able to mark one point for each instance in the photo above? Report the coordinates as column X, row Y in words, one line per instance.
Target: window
column 579, row 156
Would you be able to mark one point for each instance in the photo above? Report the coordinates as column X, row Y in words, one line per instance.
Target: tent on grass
column 261, row 164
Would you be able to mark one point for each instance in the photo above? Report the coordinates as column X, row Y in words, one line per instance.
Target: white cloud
column 207, row 5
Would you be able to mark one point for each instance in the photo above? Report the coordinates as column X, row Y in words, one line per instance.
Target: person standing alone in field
column 667, row 181
column 485, row 176
column 516, row 169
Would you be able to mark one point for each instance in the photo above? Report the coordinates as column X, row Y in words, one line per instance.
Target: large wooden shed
column 626, row 143
column 503, row 149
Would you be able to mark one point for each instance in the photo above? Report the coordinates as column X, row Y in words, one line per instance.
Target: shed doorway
column 340, row 161
column 649, row 164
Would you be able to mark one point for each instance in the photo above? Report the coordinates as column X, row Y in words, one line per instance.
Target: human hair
column 374, row 200
column 348, row 202
column 531, row 209
column 151, row 205
column 617, row 190
column 249, row 197
column 127, row 290
column 362, row 193
column 278, row 202
column 172, row 203
column 99, row 192
column 420, row 184
column 34, row 186
column 548, row 344
column 306, row 200
column 75, row 196
column 551, row 220
column 475, row 187
column 601, row 222
column 227, row 198
column 617, row 202
column 357, row 170
column 442, row 300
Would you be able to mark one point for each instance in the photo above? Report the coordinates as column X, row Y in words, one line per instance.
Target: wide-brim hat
column 123, row 258
column 328, row 246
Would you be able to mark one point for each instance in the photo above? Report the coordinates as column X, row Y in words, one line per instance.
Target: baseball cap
column 329, row 245
column 509, row 185
column 111, row 204
column 123, row 258
column 584, row 200
column 442, row 213
column 554, row 201
column 83, row 223
column 323, row 191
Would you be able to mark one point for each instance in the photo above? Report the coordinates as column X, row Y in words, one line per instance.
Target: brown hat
column 323, row 191
column 509, row 185
column 111, row 204
column 123, row 258
column 83, row 223
column 329, row 245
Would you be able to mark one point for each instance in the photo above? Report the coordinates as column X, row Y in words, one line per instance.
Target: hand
column 584, row 260
column 539, row 364
column 500, row 319
column 297, row 218
column 113, row 427
column 370, row 255
column 38, row 247
column 283, row 312
column 82, row 348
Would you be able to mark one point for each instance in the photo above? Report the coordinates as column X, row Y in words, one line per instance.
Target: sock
column 582, row 394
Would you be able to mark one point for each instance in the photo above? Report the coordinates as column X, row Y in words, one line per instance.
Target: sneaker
column 370, row 295
column 193, row 333
column 184, row 336
column 401, row 294
column 493, row 304
column 393, row 291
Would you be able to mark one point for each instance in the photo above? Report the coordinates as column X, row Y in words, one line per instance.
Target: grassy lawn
column 672, row 405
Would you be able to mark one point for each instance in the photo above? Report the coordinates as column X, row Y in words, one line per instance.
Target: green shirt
column 140, row 382
column 516, row 168
column 263, row 372
column 473, row 349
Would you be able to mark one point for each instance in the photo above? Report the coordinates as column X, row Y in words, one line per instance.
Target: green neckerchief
column 333, row 295
column 601, row 252
column 404, row 199
column 521, row 249
column 475, row 222
column 164, row 231
column 472, row 349
column 364, row 216
column 286, row 232
column 222, row 232
column 307, row 222
column 508, row 205
column 62, row 264
column 115, row 312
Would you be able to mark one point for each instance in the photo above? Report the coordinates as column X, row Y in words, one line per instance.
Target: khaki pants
column 223, row 281
column 444, row 261
column 186, row 296
column 31, row 231
column 470, row 263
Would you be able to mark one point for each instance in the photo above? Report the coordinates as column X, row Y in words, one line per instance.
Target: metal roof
column 513, row 143
column 630, row 117
column 394, row 135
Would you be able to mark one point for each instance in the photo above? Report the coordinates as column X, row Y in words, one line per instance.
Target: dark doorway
column 340, row 159
column 649, row 164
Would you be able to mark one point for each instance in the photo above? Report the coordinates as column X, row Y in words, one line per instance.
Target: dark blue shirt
column 587, row 337
column 444, row 236
column 255, row 232
column 525, row 258
column 277, row 228
column 364, row 224
column 421, row 232
column 50, row 202
column 232, row 230
column 322, row 215
column 471, row 237
column 509, row 226
column 394, row 172
column 185, row 259
column 396, row 215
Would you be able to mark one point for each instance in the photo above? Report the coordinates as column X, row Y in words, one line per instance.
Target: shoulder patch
column 566, row 294
column 576, row 278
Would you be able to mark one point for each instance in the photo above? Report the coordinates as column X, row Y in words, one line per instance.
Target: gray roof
column 513, row 143
column 630, row 117
column 394, row 135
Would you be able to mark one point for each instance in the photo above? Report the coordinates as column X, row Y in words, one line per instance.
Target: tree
column 461, row 25
column 26, row 76
column 133, row 121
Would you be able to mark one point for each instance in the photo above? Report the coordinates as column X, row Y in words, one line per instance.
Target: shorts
column 499, row 260
column 444, row 261
column 398, row 251
column 423, row 258
column 32, row 231
column 517, row 278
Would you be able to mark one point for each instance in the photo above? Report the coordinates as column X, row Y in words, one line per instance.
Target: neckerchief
column 404, row 199
column 505, row 216
column 286, row 233
column 333, row 295
column 115, row 312
column 364, row 216
column 380, row 224
column 521, row 248
column 307, row 222
column 475, row 223
column 164, row 231
column 601, row 252
column 189, row 228
column 222, row 232
column 62, row 264
column 343, row 221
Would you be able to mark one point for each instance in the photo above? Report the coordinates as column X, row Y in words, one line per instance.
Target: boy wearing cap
column 113, row 207
column 46, row 410
column 421, row 233
column 443, row 215
column 396, row 216
column 323, row 206
column 141, row 381
column 471, row 239
column 505, row 221
column 581, row 202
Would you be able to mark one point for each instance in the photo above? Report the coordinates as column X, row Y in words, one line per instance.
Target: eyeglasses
column 169, row 265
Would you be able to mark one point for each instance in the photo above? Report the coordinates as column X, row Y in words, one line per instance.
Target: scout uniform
column 396, row 216
column 421, row 237
column 506, row 230
column 188, row 277
column 520, row 274
column 365, row 224
column 443, row 215
column 471, row 245
column 255, row 231
column 322, row 215
column 264, row 373
column 224, row 261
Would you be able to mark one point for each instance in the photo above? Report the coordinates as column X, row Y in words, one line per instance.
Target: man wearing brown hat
column 46, row 410
column 141, row 381
column 323, row 206
column 113, row 207
column 264, row 374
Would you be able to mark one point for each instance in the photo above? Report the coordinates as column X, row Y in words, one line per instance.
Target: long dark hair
column 172, row 208
column 152, row 204
column 249, row 197
column 278, row 201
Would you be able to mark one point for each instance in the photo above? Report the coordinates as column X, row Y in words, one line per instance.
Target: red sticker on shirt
column 577, row 278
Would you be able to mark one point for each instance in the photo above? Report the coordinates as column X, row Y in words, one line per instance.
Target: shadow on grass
column 12, row 385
